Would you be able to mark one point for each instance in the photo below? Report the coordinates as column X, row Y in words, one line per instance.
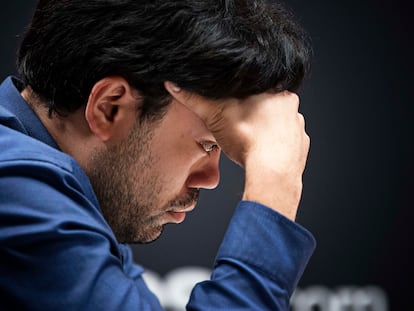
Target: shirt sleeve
column 58, row 253
column 259, row 263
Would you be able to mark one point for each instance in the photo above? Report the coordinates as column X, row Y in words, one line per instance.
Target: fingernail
column 175, row 88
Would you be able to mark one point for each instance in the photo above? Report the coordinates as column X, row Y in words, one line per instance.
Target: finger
column 200, row 106
column 301, row 119
column 294, row 97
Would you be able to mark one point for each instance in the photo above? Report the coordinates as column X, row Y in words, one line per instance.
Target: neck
column 71, row 133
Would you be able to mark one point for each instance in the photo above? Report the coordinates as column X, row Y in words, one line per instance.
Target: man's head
column 153, row 175
column 215, row 48
column 109, row 59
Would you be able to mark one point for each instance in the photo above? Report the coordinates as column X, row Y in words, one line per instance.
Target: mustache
column 186, row 200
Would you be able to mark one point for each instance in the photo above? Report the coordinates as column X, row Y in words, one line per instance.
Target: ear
column 112, row 109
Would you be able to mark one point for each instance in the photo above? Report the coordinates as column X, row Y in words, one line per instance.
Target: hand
column 263, row 133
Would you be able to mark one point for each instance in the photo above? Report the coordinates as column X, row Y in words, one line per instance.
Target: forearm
column 259, row 263
column 281, row 193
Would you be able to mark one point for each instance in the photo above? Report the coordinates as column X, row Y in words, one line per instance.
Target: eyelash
column 209, row 147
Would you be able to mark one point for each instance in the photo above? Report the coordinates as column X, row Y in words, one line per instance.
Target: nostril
column 207, row 179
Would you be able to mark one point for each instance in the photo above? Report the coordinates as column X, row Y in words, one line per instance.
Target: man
column 117, row 121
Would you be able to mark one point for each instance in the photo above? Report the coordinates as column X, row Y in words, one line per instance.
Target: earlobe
column 111, row 108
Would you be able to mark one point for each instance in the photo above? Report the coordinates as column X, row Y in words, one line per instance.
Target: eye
column 209, row 146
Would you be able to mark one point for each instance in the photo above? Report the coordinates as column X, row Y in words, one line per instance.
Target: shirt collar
column 19, row 113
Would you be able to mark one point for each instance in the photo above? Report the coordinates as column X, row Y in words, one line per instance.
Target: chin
column 147, row 237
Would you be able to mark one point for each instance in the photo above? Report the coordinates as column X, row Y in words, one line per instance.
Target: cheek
column 175, row 153
column 175, row 145
column 175, row 166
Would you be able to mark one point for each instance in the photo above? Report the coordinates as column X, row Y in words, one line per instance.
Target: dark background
column 357, row 198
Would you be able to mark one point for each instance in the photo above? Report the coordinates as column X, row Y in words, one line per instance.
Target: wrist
column 279, row 191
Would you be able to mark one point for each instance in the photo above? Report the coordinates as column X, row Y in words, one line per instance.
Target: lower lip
column 177, row 216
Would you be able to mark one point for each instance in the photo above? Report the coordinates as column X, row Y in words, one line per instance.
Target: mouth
column 178, row 215
column 181, row 206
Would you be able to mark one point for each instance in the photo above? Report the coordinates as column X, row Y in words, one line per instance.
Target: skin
column 156, row 172
column 272, row 144
column 146, row 174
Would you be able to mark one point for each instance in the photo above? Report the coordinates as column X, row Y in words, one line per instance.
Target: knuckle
column 301, row 120
column 307, row 141
column 294, row 100
column 295, row 97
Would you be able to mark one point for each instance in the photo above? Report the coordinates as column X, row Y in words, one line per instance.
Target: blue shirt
column 57, row 252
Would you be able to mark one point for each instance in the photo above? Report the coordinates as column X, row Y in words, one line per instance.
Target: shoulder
column 35, row 175
column 44, row 188
column 17, row 147
column 22, row 155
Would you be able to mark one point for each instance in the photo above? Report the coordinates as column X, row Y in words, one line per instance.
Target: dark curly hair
column 216, row 48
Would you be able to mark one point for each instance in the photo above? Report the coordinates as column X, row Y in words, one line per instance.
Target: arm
column 259, row 262
column 264, row 252
column 264, row 134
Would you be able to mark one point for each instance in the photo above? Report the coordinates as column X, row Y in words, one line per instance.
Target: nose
column 205, row 174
